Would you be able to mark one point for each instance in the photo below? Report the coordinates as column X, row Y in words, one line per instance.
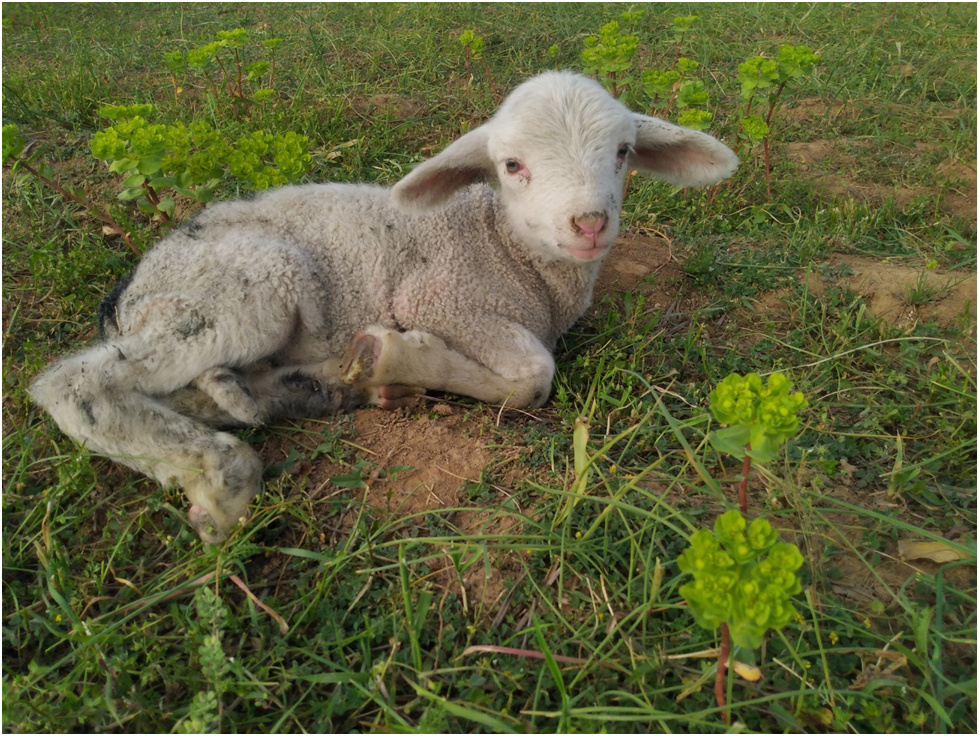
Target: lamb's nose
column 590, row 224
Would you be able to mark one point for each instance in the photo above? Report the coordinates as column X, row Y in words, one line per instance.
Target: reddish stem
column 768, row 170
column 679, row 47
column 669, row 106
column 743, row 487
column 154, row 199
column 720, row 693
column 86, row 204
column 489, row 78
column 774, row 103
column 238, row 65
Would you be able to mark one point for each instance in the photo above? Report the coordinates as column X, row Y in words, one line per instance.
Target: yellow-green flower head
column 762, row 414
column 731, row 584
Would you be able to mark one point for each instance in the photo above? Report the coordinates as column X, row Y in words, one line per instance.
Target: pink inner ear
column 435, row 188
column 684, row 163
column 672, row 159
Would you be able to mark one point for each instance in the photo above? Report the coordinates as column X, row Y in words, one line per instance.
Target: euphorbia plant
column 743, row 577
column 760, row 417
column 760, row 74
column 191, row 160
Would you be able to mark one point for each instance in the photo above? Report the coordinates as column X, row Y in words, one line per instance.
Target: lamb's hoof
column 360, row 358
column 204, row 525
column 396, row 396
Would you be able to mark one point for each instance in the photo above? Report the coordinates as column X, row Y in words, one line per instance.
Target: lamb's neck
column 568, row 285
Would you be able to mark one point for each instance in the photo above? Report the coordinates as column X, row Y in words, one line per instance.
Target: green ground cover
column 530, row 602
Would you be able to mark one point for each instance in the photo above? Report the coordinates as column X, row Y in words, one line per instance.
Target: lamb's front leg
column 516, row 369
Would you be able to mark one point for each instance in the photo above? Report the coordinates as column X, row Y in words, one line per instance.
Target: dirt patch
column 961, row 178
column 388, row 105
column 905, row 296
column 644, row 264
column 434, row 457
column 820, row 162
column 816, row 108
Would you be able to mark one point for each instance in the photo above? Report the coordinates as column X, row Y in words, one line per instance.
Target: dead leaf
column 747, row 671
column 934, row 551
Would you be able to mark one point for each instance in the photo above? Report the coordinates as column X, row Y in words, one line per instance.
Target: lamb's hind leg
column 222, row 397
column 233, row 310
column 219, row 473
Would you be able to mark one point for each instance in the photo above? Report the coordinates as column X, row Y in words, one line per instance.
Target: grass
column 116, row 618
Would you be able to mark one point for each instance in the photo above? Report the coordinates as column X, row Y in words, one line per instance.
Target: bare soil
column 825, row 165
column 893, row 291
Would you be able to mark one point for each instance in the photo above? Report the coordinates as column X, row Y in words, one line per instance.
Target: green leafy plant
column 734, row 582
column 758, row 74
column 553, row 51
column 734, row 587
column 191, row 160
column 222, row 64
column 760, row 415
column 609, row 55
column 677, row 86
column 159, row 162
column 473, row 46
column 206, row 707
column 682, row 25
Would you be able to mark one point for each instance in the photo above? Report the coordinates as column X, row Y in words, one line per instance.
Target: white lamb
column 309, row 299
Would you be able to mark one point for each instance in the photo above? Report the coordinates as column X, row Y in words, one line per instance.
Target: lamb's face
column 560, row 145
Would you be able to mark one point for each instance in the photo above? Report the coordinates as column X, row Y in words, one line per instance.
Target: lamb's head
column 558, row 150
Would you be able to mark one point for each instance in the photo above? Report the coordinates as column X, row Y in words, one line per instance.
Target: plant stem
column 87, row 204
column 238, row 65
column 214, row 88
column 743, row 486
column 768, row 170
column 154, row 199
column 679, row 47
column 489, row 78
column 722, row 660
column 774, row 103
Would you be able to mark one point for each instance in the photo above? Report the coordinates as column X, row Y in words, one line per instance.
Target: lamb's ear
column 681, row 156
column 432, row 182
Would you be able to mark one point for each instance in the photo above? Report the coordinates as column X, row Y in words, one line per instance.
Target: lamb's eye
column 513, row 166
column 623, row 151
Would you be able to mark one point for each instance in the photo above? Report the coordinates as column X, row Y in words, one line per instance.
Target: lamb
column 317, row 298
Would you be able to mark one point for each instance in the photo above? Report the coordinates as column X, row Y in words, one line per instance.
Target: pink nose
column 591, row 224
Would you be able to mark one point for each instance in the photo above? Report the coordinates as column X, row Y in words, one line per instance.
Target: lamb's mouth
column 587, row 254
